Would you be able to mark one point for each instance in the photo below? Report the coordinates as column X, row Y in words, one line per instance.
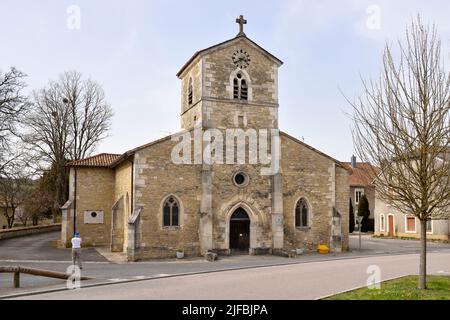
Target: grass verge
column 402, row 289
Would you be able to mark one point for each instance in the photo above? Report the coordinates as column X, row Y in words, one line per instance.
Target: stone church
column 147, row 205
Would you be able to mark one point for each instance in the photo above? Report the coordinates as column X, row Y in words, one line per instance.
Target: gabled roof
column 101, row 160
column 237, row 38
column 362, row 175
column 131, row 152
column 314, row 149
column 112, row 160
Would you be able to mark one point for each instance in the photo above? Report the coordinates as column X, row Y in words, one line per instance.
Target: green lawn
column 402, row 289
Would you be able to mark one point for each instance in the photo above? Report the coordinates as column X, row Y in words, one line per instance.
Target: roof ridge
column 199, row 52
column 313, row 149
column 103, row 159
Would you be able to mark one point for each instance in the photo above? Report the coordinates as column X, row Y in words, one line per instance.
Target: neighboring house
column 147, row 205
column 361, row 183
column 390, row 222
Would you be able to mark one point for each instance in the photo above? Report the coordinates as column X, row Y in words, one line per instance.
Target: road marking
column 161, row 275
column 52, row 261
column 139, row 277
column 118, row 280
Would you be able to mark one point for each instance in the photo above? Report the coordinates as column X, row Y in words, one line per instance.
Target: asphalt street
column 39, row 248
column 37, row 251
column 292, row 282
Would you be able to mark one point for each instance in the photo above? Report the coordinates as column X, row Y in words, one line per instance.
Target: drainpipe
column 75, row 204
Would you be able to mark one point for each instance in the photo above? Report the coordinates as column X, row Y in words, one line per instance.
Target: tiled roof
column 362, row 175
column 100, row 160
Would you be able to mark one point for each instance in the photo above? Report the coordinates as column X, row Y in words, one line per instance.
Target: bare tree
column 90, row 115
column 12, row 194
column 67, row 120
column 13, row 104
column 38, row 202
column 401, row 124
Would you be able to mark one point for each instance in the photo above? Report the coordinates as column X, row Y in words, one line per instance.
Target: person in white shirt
column 76, row 250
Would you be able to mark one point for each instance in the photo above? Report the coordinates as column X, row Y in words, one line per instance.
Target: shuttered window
column 411, row 224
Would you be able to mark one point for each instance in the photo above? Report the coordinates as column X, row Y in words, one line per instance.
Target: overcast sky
column 134, row 49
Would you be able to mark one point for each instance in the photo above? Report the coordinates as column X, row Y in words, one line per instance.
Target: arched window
column 171, row 212
column 190, row 94
column 240, row 87
column 302, row 214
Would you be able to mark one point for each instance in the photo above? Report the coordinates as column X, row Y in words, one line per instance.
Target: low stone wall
column 26, row 231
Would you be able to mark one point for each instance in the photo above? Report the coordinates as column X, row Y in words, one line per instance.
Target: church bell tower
column 233, row 84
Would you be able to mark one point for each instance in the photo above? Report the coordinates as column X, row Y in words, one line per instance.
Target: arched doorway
column 239, row 232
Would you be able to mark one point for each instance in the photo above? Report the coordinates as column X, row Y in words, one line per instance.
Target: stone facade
column 133, row 189
column 91, row 190
column 212, row 77
column 310, row 175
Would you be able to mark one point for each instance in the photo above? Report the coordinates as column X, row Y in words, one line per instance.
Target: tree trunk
column 10, row 221
column 423, row 255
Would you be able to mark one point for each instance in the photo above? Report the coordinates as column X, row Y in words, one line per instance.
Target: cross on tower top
column 241, row 22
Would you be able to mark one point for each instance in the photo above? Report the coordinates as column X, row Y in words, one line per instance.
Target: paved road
column 301, row 281
column 39, row 248
column 36, row 251
column 111, row 272
column 372, row 245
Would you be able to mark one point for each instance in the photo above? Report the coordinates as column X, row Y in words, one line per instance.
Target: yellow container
column 323, row 249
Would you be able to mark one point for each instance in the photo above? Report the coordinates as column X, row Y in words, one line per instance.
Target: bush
column 351, row 221
column 368, row 225
column 363, row 207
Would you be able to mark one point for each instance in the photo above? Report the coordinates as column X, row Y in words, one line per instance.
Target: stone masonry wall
column 255, row 198
column 263, row 73
column 190, row 114
column 95, row 192
column 220, row 110
column 123, row 188
column 306, row 174
column 157, row 177
column 342, row 203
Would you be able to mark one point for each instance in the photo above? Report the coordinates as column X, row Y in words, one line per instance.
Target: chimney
column 353, row 161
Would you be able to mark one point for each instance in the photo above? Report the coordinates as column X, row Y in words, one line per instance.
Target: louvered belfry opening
column 236, row 88
column 190, row 94
column 240, row 88
column 244, row 90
